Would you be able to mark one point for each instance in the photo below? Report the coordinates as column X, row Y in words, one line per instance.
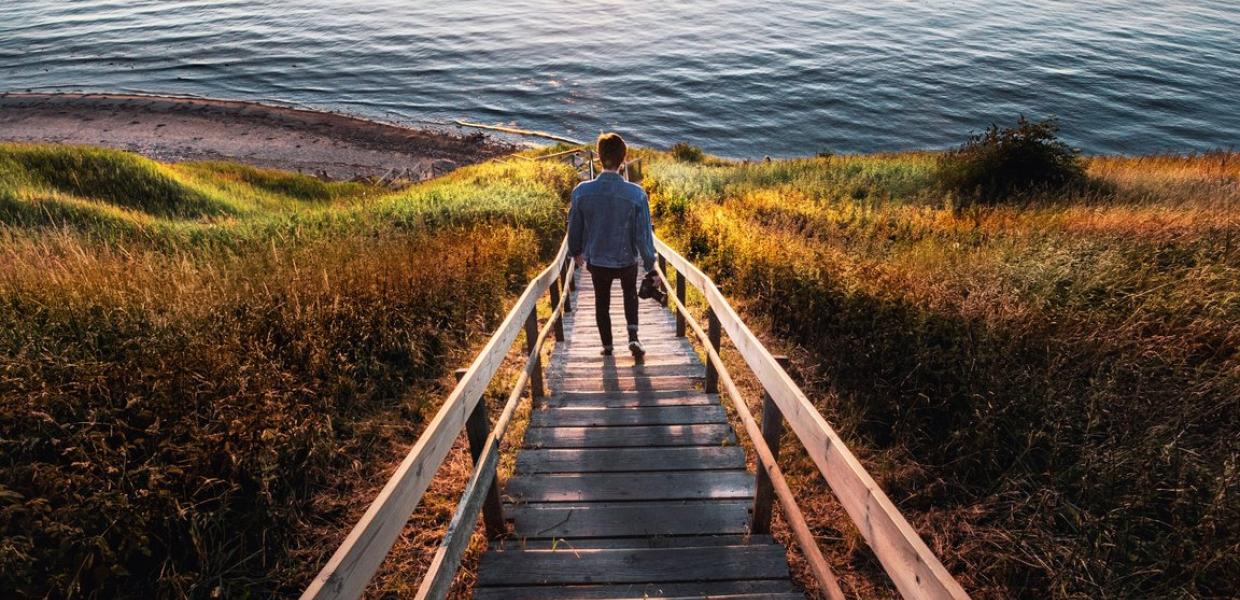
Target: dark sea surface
column 741, row 79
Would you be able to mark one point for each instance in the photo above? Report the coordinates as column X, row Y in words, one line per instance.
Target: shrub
column 1006, row 162
column 687, row 153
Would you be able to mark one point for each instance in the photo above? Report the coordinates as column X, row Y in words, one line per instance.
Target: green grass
column 1048, row 389
column 204, row 366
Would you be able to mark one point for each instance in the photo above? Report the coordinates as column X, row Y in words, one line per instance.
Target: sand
column 173, row 129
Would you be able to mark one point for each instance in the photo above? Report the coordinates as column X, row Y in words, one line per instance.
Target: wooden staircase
column 629, row 482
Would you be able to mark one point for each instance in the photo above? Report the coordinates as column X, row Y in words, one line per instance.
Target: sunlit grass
column 205, row 367
column 1042, row 385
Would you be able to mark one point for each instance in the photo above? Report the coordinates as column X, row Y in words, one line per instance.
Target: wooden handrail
column 912, row 567
column 766, row 458
column 437, row 581
column 354, row 563
column 561, row 153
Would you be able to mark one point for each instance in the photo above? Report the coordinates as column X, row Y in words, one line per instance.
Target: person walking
column 609, row 231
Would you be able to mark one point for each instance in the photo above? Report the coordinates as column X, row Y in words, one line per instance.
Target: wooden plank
column 773, row 589
column 635, row 369
column 624, row 359
column 353, row 564
column 915, row 570
column 629, row 437
column 616, row 417
column 602, row 519
column 764, row 489
column 660, row 541
column 478, row 430
column 573, row 592
column 652, row 320
column 542, row 567
column 588, row 345
column 580, row 396
column 624, row 384
column 607, row 487
column 606, row 460
column 627, row 400
column 439, row 575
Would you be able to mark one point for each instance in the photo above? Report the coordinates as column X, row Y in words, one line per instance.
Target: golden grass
column 1045, row 388
column 208, row 370
column 198, row 402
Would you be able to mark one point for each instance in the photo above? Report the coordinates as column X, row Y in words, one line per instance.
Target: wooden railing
column 912, row 567
column 354, row 563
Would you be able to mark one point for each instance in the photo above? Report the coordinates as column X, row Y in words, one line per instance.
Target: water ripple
column 740, row 79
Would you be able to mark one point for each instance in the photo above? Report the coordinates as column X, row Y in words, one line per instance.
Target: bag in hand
column 652, row 287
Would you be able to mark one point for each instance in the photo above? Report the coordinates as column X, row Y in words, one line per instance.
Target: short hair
column 611, row 150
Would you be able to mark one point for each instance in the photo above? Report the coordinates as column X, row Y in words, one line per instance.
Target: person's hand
column 580, row 259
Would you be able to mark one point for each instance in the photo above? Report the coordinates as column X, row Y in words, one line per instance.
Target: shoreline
column 185, row 128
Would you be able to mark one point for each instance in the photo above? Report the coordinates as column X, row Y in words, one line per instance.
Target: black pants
column 603, row 278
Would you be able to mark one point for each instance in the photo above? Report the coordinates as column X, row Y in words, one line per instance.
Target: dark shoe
column 606, row 351
column 636, row 348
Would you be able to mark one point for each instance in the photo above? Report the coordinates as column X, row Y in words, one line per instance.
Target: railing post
column 713, row 332
column 772, row 430
column 567, row 286
column 555, row 303
column 663, row 269
column 680, row 295
column 531, row 337
column 478, row 429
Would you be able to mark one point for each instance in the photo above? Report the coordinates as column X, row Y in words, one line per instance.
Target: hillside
column 1049, row 387
column 206, row 369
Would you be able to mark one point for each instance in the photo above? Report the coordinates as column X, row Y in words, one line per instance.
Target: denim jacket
column 610, row 222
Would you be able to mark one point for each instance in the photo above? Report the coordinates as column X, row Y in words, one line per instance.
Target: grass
column 208, row 370
column 203, row 366
column 1048, row 389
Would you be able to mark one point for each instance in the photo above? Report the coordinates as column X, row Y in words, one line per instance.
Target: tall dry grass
column 193, row 403
column 1049, row 390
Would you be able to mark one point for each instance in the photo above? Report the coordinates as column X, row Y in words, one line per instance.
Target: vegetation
column 203, row 366
column 1050, row 391
column 999, row 164
column 684, row 152
column 199, row 363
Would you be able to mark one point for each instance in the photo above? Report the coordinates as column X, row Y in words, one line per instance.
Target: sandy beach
column 172, row 128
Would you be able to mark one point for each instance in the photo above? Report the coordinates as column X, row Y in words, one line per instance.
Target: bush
column 687, row 153
column 1006, row 162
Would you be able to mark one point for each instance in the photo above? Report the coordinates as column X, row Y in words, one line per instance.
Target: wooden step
column 626, row 399
column 660, row 541
column 648, row 565
column 607, row 487
column 629, row 519
column 633, row 369
column 574, row 416
column 711, row 434
column 602, row 460
column 761, row 590
column 625, row 384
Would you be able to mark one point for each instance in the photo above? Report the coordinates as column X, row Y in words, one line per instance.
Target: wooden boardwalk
column 629, row 481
